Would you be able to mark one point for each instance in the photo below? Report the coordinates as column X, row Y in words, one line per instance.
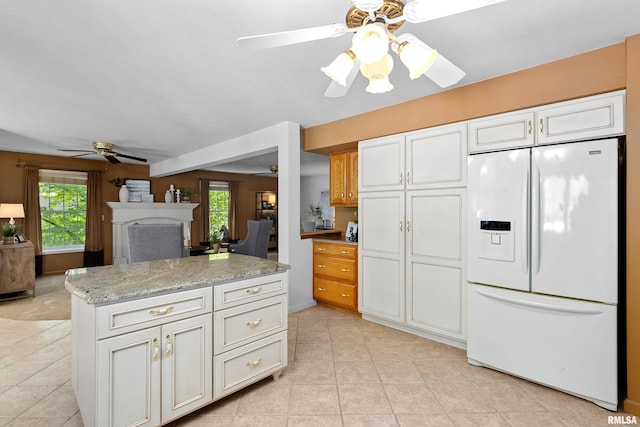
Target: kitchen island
column 153, row 341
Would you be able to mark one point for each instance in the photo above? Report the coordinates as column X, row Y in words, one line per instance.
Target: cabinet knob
column 408, row 226
column 322, row 289
column 530, row 126
column 345, row 252
column 322, row 266
column 541, row 126
column 345, row 270
column 344, row 295
column 256, row 362
column 255, row 323
column 320, row 249
column 254, row 291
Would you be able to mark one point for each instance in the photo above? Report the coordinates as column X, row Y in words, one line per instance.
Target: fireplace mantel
column 125, row 213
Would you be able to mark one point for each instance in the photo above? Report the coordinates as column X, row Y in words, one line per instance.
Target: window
column 218, row 205
column 63, row 207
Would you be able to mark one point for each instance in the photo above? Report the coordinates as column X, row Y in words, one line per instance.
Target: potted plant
column 186, row 194
column 123, row 192
column 214, row 240
column 9, row 233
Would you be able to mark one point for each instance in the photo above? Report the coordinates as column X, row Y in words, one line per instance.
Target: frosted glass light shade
column 379, row 85
column 417, row 59
column 370, row 43
column 340, row 68
column 378, row 70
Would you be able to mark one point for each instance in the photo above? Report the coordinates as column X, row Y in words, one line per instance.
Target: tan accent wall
column 603, row 70
column 59, row 263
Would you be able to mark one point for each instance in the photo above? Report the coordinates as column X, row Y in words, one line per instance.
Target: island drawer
column 129, row 316
column 241, row 324
column 238, row 368
column 233, row 294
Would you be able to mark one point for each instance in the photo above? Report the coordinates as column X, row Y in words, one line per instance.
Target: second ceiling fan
column 374, row 23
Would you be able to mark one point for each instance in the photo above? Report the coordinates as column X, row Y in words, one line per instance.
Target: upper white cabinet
column 430, row 158
column 581, row 119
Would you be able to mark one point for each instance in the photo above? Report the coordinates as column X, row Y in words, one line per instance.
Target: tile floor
column 343, row 371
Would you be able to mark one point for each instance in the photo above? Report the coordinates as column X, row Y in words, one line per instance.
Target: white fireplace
column 125, row 213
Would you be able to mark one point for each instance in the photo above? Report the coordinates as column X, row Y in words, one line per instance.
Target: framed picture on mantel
column 137, row 189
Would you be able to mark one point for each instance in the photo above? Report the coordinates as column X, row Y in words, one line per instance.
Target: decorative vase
column 168, row 197
column 123, row 194
column 7, row 240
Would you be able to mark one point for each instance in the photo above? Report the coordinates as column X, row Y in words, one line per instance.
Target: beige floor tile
column 313, row 351
column 363, row 399
column 378, row 335
column 20, row 398
column 55, row 374
column 315, row 421
column 356, row 372
column 461, row 398
column 313, row 336
column 479, row 420
column 346, row 335
column 75, row 421
column 344, row 351
column 314, row 372
column 369, row 421
column 507, row 396
column 267, row 397
column 204, row 421
column 38, row 422
column 424, row 420
column 554, row 400
column 60, row 403
column 388, row 351
column 398, row 371
column 314, row 399
column 412, row 399
column 442, row 370
column 532, row 419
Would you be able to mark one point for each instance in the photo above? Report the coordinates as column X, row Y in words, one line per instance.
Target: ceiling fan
column 105, row 149
column 273, row 171
column 374, row 23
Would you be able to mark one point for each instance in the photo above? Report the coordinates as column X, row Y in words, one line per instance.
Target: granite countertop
column 341, row 241
column 112, row 283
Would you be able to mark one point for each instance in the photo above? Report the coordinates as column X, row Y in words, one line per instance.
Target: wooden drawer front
column 335, row 293
column 337, row 250
column 341, row 269
column 238, row 368
column 120, row 318
column 238, row 325
column 232, row 294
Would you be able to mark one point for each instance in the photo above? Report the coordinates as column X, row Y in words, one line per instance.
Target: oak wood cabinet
column 335, row 274
column 343, row 178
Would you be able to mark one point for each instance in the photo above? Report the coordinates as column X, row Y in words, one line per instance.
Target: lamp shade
column 370, row 43
column 11, row 210
column 417, row 59
column 340, row 68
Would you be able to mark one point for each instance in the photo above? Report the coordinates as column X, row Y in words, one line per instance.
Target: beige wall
column 13, row 193
column 604, row 70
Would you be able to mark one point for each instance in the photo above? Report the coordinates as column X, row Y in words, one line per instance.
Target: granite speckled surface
column 112, row 283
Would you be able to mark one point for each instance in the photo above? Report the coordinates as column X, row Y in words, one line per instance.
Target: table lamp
column 11, row 210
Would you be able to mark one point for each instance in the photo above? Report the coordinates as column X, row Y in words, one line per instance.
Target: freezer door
column 497, row 228
column 575, row 220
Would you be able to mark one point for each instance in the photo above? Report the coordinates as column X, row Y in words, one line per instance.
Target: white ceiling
column 159, row 78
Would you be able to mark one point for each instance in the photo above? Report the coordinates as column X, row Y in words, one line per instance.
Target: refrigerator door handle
column 524, row 246
column 539, row 305
column 536, row 220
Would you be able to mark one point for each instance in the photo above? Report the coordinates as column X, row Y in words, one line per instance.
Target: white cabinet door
column 502, row 131
column 593, row 117
column 381, row 254
column 435, row 277
column 381, row 164
column 187, row 357
column 436, row 157
column 128, row 386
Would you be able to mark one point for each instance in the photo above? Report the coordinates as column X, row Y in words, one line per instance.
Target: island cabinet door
column 187, row 358
column 128, row 374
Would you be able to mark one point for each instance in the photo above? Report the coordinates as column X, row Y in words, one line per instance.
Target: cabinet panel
column 381, row 164
column 337, row 178
column 435, row 298
column 239, row 325
column 435, row 224
column 237, row 368
column 381, row 287
column 502, row 131
column 588, row 118
column 186, row 366
column 436, row 157
column 232, row 294
column 128, row 379
column 381, row 223
column 352, row 178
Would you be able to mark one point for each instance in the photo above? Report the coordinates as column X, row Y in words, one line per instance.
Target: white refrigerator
column 543, row 238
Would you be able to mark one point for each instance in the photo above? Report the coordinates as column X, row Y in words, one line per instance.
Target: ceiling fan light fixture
column 368, row 5
column 379, row 70
column 370, row 43
column 417, row 59
column 379, row 85
column 340, row 68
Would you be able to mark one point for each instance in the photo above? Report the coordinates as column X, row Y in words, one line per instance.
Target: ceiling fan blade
column 76, row 151
column 112, row 159
column 417, row 11
column 284, row 38
column 126, row 156
column 336, row 90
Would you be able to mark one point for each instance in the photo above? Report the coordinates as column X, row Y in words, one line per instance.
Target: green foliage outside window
column 218, row 208
column 63, row 208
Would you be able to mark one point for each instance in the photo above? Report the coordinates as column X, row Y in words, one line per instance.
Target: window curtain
column 233, row 208
column 204, row 209
column 94, row 242
column 32, row 221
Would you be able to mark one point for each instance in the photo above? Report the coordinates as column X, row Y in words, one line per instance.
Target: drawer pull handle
column 322, row 266
column 156, row 350
column 254, row 290
column 257, row 362
column 254, row 323
column 161, row 312
column 541, row 126
column 345, row 295
column 321, row 249
column 345, row 252
column 322, row 289
column 169, row 346
column 345, row 270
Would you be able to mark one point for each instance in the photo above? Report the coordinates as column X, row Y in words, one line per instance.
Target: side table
column 17, row 270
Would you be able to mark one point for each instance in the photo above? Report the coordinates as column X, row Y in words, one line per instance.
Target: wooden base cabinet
column 335, row 274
